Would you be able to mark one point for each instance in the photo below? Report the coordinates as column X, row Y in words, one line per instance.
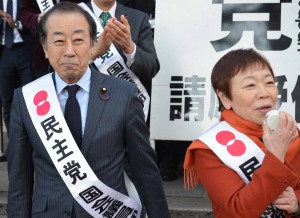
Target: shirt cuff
column 130, row 57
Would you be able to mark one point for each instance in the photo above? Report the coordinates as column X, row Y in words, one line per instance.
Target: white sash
column 45, row 5
column 111, row 63
column 94, row 196
column 238, row 152
column 252, row 151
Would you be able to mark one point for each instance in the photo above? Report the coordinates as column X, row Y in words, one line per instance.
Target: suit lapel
column 120, row 11
column 95, row 107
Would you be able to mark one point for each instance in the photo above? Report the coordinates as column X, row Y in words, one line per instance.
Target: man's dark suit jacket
column 147, row 6
column 114, row 122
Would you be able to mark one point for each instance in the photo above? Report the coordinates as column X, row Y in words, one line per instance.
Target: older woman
column 246, row 170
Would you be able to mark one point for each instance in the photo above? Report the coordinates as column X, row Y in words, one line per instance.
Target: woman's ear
column 224, row 99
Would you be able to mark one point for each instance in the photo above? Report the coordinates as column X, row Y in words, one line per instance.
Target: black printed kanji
column 249, row 167
column 282, row 93
column 125, row 76
column 90, row 194
column 187, row 94
column 213, row 111
column 115, row 68
column 124, row 212
column 273, row 211
column 49, row 126
column 142, row 97
column 296, row 99
column 112, row 209
column 107, row 55
column 102, row 203
column 72, row 169
column 134, row 214
column 45, row 4
column 61, row 149
column 259, row 28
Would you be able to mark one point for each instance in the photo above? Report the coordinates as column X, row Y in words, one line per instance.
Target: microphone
column 272, row 120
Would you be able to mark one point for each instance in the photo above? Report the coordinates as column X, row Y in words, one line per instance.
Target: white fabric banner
column 190, row 38
column 45, row 5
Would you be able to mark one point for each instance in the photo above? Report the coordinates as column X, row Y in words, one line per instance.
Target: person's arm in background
column 30, row 15
column 19, row 163
column 148, row 6
column 146, row 63
column 133, row 35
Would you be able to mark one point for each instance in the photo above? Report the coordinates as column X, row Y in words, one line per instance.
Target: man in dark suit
column 130, row 32
column 112, row 121
column 15, row 54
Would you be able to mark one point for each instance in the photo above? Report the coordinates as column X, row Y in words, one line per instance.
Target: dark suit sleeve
column 146, row 64
column 20, row 167
column 142, row 160
column 29, row 14
column 146, row 6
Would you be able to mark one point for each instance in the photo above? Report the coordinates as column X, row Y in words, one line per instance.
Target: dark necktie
column 73, row 115
column 104, row 16
column 9, row 32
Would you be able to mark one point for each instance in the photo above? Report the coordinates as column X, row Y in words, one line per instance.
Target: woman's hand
column 278, row 142
column 287, row 201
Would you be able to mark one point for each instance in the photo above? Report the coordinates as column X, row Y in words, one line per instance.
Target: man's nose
column 69, row 49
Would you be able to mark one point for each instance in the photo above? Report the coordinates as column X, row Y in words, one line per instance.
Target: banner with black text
column 190, row 38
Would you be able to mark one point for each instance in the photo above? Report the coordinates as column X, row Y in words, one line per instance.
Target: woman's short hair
column 66, row 7
column 232, row 63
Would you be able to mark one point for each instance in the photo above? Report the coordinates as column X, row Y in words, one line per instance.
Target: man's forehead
column 64, row 17
column 61, row 22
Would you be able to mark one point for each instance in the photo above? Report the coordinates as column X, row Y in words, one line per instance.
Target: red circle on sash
column 224, row 137
column 42, row 106
column 234, row 147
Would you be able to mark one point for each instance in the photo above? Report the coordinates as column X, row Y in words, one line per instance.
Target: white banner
column 190, row 38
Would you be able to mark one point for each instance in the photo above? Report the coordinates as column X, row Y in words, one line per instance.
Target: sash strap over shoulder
column 50, row 124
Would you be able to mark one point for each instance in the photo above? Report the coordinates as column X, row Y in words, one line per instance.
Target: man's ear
column 45, row 50
column 224, row 99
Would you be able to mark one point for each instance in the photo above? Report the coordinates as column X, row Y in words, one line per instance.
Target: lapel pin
column 104, row 94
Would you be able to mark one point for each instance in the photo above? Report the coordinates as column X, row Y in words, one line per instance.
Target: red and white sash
column 238, row 152
column 95, row 197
